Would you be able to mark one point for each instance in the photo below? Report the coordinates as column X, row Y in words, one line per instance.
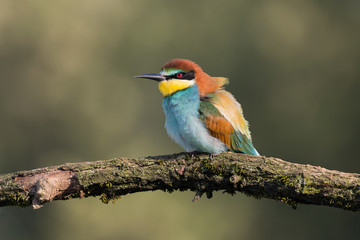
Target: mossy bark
column 260, row 177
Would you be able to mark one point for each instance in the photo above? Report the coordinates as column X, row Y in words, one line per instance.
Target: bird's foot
column 194, row 154
column 212, row 155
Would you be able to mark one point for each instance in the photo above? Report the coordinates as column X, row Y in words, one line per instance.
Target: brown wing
column 220, row 128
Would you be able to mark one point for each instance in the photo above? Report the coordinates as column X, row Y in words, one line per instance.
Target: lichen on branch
column 260, row 177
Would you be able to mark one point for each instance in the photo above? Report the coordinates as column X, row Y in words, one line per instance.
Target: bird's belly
column 185, row 128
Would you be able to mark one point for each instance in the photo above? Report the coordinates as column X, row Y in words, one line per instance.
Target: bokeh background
column 67, row 95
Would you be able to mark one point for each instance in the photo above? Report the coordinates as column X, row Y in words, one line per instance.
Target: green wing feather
column 220, row 128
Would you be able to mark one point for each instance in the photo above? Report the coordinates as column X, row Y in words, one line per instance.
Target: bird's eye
column 179, row 75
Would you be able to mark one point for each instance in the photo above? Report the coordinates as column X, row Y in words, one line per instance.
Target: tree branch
column 260, row 177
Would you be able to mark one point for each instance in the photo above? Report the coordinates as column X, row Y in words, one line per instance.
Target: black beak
column 154, row 76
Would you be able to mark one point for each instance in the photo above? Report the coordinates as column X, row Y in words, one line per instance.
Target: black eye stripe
column 185, row 76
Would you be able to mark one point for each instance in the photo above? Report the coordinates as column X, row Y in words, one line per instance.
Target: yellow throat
column 168, row 87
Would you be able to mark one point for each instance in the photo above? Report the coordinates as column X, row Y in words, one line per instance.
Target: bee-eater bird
column 200, row 115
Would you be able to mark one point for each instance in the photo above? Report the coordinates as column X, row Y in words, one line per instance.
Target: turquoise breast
column 183, row 124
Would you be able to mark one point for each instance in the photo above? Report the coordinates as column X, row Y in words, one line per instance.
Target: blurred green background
column 67, row 95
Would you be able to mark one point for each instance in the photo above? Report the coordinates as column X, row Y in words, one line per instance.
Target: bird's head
column 175, row 75
column 179, row 74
